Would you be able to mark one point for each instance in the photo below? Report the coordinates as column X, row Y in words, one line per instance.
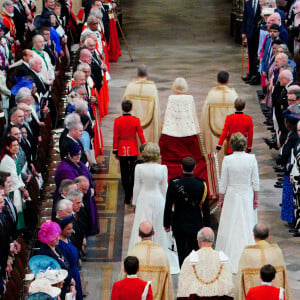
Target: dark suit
column 189, row 196
column 20, row 19
column 11, row 216
column 96, row 71
column 65, row 144
column 251, row 29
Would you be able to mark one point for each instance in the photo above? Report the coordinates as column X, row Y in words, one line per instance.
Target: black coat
column 20, row 19
column 189, row 196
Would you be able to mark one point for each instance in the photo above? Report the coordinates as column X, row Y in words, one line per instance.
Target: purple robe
column 68, row 170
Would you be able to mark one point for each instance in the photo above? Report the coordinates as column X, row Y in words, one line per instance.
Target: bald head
column 146, row 230
column 85, row 56
column 260, row 231
column 205, row 236
column 275, row 19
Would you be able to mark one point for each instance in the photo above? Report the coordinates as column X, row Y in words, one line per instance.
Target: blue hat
column 21, row 82
column 292, row 115
column 40, row 263
column 75, row 148
column 65, row 221
column 39, row 296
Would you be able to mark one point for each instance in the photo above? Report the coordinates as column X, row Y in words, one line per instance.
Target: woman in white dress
column 149, row 197
column 240, row 184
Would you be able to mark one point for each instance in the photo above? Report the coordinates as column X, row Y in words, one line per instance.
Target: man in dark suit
column 189, row 196
column 20, row 20
column 250, row 30
column 73, row 135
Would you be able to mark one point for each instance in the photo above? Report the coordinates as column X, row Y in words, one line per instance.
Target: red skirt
column 114, row 49
column 174, row 149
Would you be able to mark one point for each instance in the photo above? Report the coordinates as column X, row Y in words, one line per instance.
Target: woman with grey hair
column 180, row 132
column 239, row 186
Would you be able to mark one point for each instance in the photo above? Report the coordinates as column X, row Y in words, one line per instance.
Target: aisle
column 190, row 39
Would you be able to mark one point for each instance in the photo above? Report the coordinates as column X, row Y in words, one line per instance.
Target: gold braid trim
column 211, row 281
column 204, row 194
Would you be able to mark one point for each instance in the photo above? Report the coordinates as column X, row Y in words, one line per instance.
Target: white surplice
column 238, row 181
column 149, row 196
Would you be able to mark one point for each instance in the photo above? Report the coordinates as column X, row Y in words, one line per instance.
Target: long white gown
column 149, row 196
column 239, row 179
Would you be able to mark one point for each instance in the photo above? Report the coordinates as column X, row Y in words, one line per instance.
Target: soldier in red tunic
column 125, row 146
column 132, row 287
column 237, row 122
column 266, row 291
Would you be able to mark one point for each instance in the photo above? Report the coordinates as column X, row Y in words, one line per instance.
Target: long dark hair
column 7, row 142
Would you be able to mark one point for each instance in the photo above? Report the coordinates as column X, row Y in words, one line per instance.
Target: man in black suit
column 250, row 30
column 20, row 20
column 189, row 196
column 72, row 136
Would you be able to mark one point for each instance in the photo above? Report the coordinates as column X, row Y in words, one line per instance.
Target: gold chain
column 211, row 281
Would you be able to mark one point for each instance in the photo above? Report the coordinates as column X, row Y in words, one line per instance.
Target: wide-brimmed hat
column 39, row 296
column 42, row 263
column 54, row 276
column 49, row 232
column 43, row 285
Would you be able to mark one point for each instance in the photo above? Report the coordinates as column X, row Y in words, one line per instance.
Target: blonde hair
column 151, row 152
column 238, row 142
column 180, row 85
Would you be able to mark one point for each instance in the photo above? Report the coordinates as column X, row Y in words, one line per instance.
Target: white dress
column 149, row 196
column 238, row 181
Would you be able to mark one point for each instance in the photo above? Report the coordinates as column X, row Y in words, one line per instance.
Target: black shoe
column 278, row 169
column 269, row 123
column 271, row 143
column 278, row 185
column 280, row 204
column 255, row 80
column 247, row 78
column 296, row 234
column 280, row 180
column 293, row 230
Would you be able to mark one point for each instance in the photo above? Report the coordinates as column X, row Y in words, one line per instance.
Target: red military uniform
column 237, row 122
column 125, row 141
column 131, row 289
column 125, row 146
column 264, row 292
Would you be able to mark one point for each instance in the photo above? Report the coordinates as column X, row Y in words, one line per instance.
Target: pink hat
column 49, row 232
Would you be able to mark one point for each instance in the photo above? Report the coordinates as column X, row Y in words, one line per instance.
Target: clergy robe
column 252, row 259
column 265, row 292
column 205, row 274
column 145, row 106
column 154, row 267
column 218, row 104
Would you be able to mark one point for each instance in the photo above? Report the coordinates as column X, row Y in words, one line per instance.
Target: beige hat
column 43, row 285
column 54, row 276
column 267, row 11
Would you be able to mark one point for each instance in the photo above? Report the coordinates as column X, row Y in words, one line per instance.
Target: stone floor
column 189, row 39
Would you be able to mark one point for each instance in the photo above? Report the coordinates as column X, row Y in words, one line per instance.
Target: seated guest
column 70, row 252
column 206, row 273
column 153, row 263
column 131, row 287
column 252, row 259
column 48, row 235
column 266, row 290
column 64, row 208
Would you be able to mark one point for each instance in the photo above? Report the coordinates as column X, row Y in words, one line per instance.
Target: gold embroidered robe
column 154, row 267
column 218, row 104
column 145, row 106
column 252, row 259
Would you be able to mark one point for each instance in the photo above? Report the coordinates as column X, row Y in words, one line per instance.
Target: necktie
column 254, row 6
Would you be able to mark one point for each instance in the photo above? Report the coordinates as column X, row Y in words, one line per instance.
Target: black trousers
column 252, row 52
column 127, row 164
column 185, row 244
